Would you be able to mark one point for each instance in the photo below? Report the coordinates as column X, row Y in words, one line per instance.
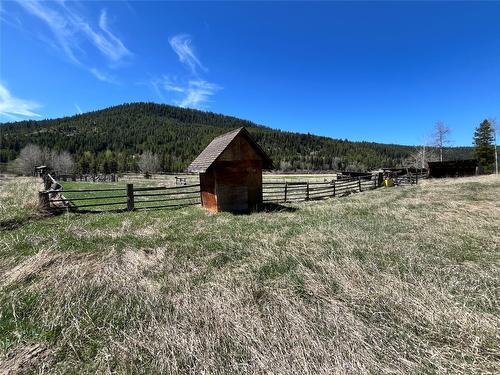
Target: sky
column 381, row 72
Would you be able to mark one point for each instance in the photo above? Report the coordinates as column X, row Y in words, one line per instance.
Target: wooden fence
column 128, row 198
column 88, row 177
column 409, row 179
column 303, row 191
column 132, row 197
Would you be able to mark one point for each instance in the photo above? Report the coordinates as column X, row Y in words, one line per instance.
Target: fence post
column 359, row 184
column 334, row 188
column 46, row 182
column 130, row 197
column 44, row 201
column 307, row 191
column 286, row 188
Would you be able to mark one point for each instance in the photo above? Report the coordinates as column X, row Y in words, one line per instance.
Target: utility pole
column 493, row 122
column 496, row 153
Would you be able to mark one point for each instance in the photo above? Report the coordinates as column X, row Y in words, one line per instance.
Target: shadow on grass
column 275, row 207
column 267, row 207
column 18, row 222
column 14, row 223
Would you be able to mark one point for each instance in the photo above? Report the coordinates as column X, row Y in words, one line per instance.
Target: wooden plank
column 101, row 204
column 88, row 198
column 166, row 200
column 92, row 190
column 161, row 194
column 154, row 188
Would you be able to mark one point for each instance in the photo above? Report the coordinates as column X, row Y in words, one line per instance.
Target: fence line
column 131, row 198
column 304, row 191
column 93, row 177
column 127, row 198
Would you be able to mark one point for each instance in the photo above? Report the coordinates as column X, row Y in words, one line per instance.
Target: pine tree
column 483, row 146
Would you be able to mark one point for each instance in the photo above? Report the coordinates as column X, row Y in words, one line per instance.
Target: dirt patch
column 24, row 359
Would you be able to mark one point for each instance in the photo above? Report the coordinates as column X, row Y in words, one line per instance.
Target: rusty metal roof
column 218, row 145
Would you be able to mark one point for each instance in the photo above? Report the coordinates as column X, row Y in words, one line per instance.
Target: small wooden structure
column 41, row 170
column 230, row 169
column 453, row 168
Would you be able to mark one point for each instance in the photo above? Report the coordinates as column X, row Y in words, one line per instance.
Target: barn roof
column 219, row 144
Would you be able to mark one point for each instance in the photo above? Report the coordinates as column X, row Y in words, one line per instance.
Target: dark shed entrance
column 230, row 171
column 453, row 168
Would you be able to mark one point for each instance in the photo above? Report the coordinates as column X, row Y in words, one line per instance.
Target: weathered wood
column 93, row 190
column 130, row 197
column 153, row 188
column 88, row 198
column 167, row 194
column 164, row 200
column 102, row 204
column 44, row 201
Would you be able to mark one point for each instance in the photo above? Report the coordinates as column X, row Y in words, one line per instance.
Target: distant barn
column 453, row 168
column 230, row 171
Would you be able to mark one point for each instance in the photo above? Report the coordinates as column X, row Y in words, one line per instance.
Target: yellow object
column 388, row 182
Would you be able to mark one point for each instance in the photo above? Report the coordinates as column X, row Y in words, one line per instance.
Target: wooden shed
column 453, row 168
column 230, row 169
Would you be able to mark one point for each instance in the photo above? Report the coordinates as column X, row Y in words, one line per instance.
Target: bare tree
column 441, row 137
column 420, row 156
column 149, row 162
column 29, row 157
column 62, row 163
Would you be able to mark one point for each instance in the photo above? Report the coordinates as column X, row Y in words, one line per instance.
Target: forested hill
column 111, row 139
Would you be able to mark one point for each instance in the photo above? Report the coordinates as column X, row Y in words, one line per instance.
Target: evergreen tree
column 484, row 150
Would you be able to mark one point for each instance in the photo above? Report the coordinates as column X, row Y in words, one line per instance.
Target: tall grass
column 398, row 280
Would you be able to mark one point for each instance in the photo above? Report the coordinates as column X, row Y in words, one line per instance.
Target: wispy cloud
column 78, row 109
column 12, row 107
column 181, row 44
column 194, row 93
column 198, row 93
column 71, row 29
column 107, row 42
column 103, row 76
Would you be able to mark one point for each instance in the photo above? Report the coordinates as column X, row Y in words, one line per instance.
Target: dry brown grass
column 402, row 280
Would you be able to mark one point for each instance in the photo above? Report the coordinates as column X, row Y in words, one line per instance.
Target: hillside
column 362, row 284
column 114, row 135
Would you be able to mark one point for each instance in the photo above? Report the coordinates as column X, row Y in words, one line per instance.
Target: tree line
column 113, row 139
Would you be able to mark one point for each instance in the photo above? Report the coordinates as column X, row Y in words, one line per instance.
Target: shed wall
column 238, row 184
column 207, row 188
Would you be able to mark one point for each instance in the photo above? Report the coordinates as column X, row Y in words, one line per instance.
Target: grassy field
column 397, row 280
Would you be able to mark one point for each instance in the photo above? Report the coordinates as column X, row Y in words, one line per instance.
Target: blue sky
column 383, row 72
